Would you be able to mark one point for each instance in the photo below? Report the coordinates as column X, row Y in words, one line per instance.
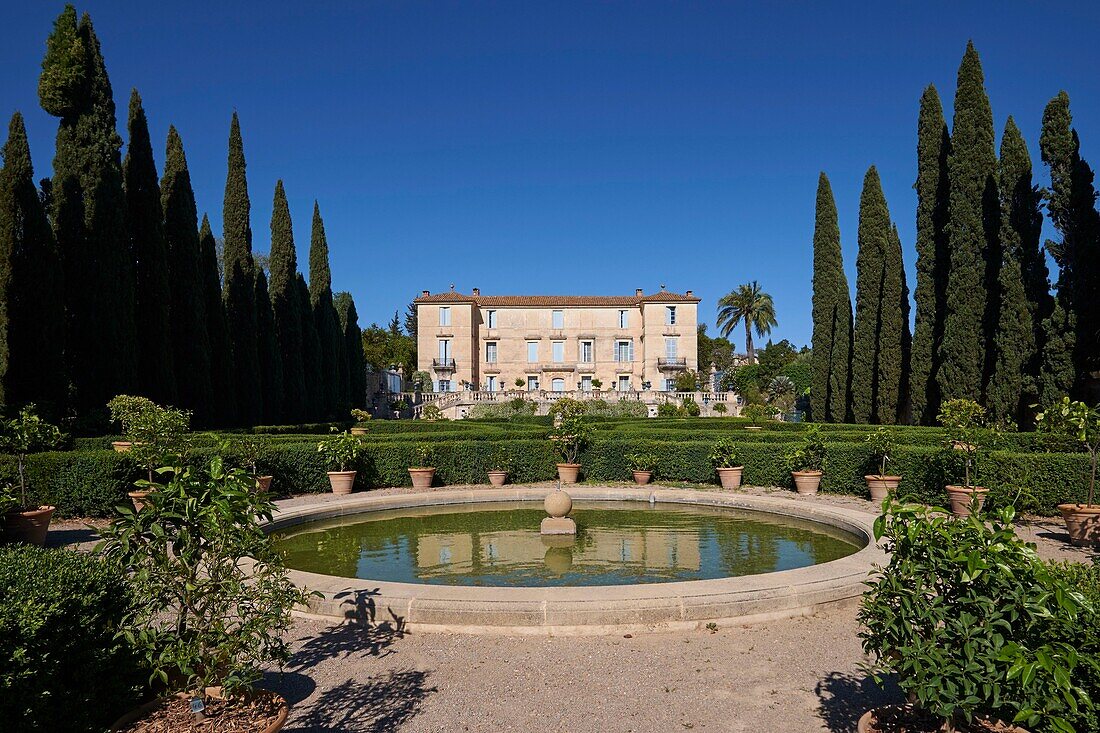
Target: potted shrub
column 498, row 466
column 757, row 414
column 154, row 433
column 422, row 473
column 212, row 601
column 571, row 432
column 431, row 413
column 25, row 434
column 807, row 462
column 724, row 458
column 519, row 383
column 642, row 465
column 597, row 384
column 962, row 420
column 248, row 450
column 1078, row 422
column 341, row 449
column 361, row 418
column 881, row 443
column 719, row 407
column 973, row 625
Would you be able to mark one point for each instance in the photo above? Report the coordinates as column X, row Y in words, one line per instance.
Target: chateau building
column 561, row 343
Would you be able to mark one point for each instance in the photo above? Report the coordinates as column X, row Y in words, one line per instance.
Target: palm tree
column 753, row 306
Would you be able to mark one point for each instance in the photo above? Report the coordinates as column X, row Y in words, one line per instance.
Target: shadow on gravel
column 845, row 697
column 349, row 639
column 71, row 536
column 378, row 705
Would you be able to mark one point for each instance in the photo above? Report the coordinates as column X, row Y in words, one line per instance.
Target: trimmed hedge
column 61, row 668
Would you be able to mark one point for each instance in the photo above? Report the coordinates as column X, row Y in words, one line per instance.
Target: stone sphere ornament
column 558, row 504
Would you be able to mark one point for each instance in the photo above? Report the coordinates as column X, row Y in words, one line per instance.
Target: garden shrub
column 61, row 668
column 1085, row 579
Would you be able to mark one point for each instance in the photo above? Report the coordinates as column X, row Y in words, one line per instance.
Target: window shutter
column 632, row 350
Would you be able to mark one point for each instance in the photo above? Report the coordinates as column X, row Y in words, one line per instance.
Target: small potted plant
column 642, row 465
column 212, row 601
column 25, row 434
column 1078, row 422
column 498, row 466
column 431, row 413
column 341, row 450
column 519, row 383
column 123, row 409
column 571, row 433
column 725, row 461
column 962, row 420
column 597, row 384
column 248, row 450
column 807, row 462
column 155, row 434
column 756, row 415
column 361, row 418
column 881, row 443
column 422, row 473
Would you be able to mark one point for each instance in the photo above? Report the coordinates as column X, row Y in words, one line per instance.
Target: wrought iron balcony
column 443, row 365
column 672, row 362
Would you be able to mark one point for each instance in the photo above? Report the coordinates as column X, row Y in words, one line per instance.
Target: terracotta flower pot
column 29, row 526
column 1082, row 523
column 881, row 486
column 730, row 476
column 138, row 714
column 138, row 498
column 568, row 472
column 422, row 477
column 342, row 482
column 806, row 482
column 962, row 499
column 358, row 431
column 642, row 477
column 263, row 483
column 498, row 478
column 121, row 446
column 870, row 721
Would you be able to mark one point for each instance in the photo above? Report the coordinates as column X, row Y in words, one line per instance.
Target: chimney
column 425, row 293
column 638, row 292
column 689, row 293
column 477, row 292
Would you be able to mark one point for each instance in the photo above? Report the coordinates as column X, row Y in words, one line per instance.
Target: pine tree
column 1071, row 202
column 353, row 347
column 832, row 314
column 32, row 315
column 271, row 366
column 1013, row 382
column 222, row 373
column 187, row 302
column 156, row 378
column 881, row 341
column 316, row 408
column 973, row 214
column 334, row 376
column 933, row 147
column 284, row 304
column 89, row 214
column 239, row 290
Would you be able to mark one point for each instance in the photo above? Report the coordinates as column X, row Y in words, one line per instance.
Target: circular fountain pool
column 617, row 543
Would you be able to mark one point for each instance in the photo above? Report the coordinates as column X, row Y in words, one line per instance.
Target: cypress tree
column 239, row 291
column 1013, row 382
column 334, row 375
column 156, row 378
column 271, row 367
column 286, row 313
column 973, row 214
column 222, row 374
column 1071, row 202
column 881, row 338
column 89, row 213
column 353, row 347
column 311, row 353
column 32, row 314
column 832, row 314
column 933, row 147
column 187, row 302
column 1057, row 374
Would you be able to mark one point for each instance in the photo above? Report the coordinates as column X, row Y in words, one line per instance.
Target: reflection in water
column 616, row 543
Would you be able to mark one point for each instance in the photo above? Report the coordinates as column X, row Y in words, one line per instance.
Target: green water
column 617, row 543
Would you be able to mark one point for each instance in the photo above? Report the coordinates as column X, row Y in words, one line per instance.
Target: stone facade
column 557, row 343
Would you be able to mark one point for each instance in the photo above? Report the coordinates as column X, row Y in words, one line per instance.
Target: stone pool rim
column 594, row 609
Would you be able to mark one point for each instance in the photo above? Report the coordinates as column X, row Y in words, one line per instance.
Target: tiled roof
column 551, row 300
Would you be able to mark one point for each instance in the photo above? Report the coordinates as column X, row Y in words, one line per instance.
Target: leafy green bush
column 1085, row 579
column 881, row 444
column 642, row 461
column 724, row 454
column 340, row 450
column 61, row 667
column 810, row 454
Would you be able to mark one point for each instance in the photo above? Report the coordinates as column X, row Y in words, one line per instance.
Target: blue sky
column 565, row 147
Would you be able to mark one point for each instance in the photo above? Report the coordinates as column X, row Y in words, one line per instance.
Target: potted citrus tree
column 212, row 604
column 642, row 465
column 123, row 409
column 1081, row 423
column 881, row 443
column 498, row 466
column 361, row 418
column 422, row 473
column 154, row 433
column 724, row 458
column 962, row 419
column 757, row 414
column 25, row 434
column 248, row 450
column 571, row 433
column 341, row 450
column 807, row 462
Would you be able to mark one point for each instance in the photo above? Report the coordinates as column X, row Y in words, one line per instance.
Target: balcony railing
column 443, row 365
column 672, row 362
